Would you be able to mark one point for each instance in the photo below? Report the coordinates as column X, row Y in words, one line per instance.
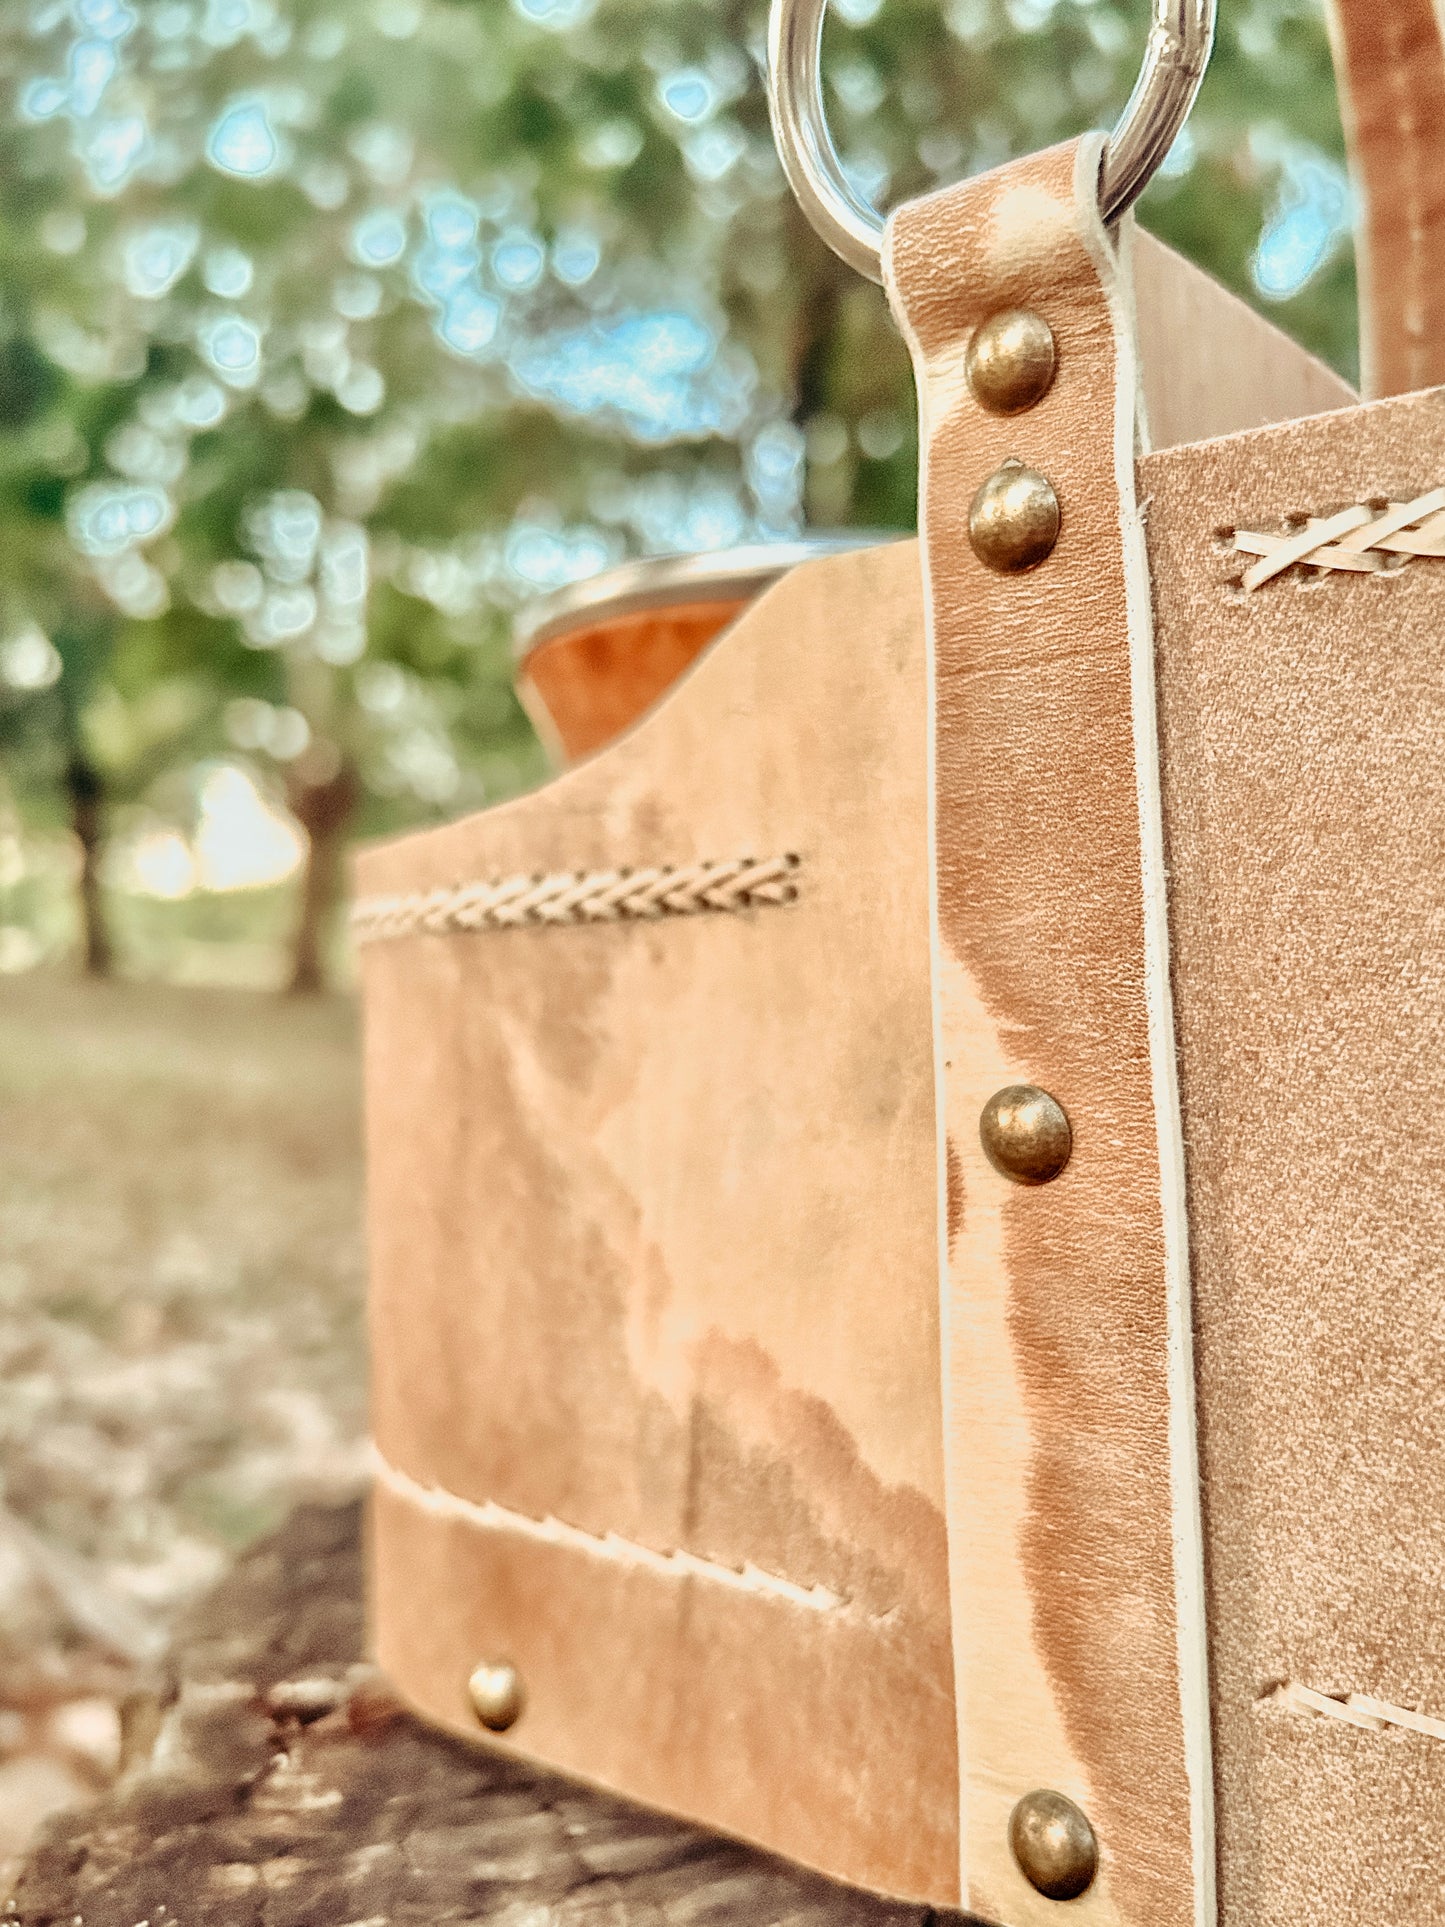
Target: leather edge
column 1112, row 262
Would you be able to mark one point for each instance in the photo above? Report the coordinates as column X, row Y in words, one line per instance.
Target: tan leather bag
column 820, row 1480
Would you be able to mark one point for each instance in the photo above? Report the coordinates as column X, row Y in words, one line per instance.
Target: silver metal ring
column 1175, row 57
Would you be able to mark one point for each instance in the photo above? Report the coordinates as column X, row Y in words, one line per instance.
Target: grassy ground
column 180, row 1313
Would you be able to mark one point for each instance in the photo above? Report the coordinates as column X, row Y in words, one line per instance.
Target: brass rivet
column 1054, row 1845
column 1026, row 1134
column 1013, row 523
column 1011, row 361
column 497, row 1694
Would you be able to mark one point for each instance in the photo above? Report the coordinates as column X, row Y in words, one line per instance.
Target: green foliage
column 332, row 330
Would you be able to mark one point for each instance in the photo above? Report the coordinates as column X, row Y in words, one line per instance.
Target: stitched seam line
column 580, row 897
column 1360, row 540
column 1358, row 1709
column 611, row 1547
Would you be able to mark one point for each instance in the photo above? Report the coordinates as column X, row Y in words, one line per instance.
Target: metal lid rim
column 651, row 582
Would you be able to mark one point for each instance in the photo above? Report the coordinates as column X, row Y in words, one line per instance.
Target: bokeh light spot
column 243, row 142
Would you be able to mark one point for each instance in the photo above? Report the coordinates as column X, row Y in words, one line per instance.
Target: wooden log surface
column 286, row 1788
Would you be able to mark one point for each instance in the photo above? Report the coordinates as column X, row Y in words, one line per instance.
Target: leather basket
column 907, row 1189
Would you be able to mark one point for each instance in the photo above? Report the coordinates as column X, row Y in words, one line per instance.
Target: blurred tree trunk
column 323, row 806
column 85, row 640
column 815, row 322
column 86, row 794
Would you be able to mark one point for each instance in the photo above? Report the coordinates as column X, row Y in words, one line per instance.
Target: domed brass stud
column 1026, row 1134
column 1013, row 522
column 1011, row 361
column 1053, row 1844
column 497, row 1694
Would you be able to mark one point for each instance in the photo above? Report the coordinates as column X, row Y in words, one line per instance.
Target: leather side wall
column 1303, row 730
column 1390, row 60
column 654, row 1270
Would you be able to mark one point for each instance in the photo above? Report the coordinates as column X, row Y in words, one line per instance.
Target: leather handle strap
column 1390, row 62
column 1072, row 1495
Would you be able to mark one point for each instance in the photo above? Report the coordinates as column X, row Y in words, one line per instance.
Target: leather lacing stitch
column 1363, row 540
column 584, row 896
column 489, row 1516
column 1358, row 1709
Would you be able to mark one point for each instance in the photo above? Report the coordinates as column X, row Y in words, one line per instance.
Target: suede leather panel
column 1057, row 1358
column 652, row 1214
column 1390, row 61
column 1303, row 731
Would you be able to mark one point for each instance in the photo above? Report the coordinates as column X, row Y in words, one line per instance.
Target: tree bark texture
column 285, row 1787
